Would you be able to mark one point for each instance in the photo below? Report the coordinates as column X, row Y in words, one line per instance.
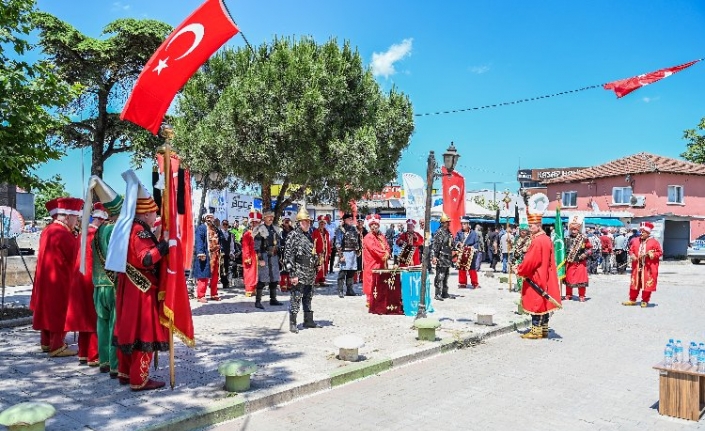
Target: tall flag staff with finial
column 176, row 310
column 558, row 243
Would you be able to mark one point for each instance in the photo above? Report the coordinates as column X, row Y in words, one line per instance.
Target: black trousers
column 224, row 270
column 300, row 294
column 539, row 319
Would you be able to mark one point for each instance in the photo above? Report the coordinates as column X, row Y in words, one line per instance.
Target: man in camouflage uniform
column 266, row 237
column 441, row 255
column 302, row 262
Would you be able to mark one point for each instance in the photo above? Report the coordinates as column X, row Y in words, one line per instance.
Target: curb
column 237, row 405
column 22, row 321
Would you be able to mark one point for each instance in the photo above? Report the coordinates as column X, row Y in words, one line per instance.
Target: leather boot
column 444, row 293
column 341, row 283
column 273, row 294
column 258, row 297
column 350, row 291
column 544, row 330
column 308, row 320
column 533, row 334
column 292, row 323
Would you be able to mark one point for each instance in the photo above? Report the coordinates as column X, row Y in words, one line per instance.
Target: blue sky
column 463, row 54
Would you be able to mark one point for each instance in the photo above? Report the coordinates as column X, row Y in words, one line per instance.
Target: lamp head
column 450, row 158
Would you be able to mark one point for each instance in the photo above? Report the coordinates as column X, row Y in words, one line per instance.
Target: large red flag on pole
column 453, row 198
column 625, row 86
column 181, row 54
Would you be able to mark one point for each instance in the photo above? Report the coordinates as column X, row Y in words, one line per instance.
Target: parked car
column 696, row 250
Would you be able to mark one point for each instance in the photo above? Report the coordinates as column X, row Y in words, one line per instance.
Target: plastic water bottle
column 693, row 354
column 701, row 360
column 678, row 353
column 668, row 356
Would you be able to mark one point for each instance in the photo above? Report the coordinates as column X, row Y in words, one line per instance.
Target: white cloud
column 118, row 6
column 383, row 63
column 480, row 69
column 649, row 99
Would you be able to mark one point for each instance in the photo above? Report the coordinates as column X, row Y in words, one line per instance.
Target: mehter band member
column 645, row 253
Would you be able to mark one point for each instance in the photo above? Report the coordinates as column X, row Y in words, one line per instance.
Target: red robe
column 417, row 241
column 539, row 265
column 645, row 276
column 576, row 273
column 81, row 315
column 249, row 261
column 55, row 265
column 137, row 305
column 375, row 252
column 323, row 247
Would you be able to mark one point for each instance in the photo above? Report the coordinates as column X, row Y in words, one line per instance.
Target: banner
column 414, row 196
column 559, row 245
column 227, row 205
column 453, row 198
column 411, row 292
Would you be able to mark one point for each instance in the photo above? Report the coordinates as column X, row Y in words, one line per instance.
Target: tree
column 486, row 203
column 107, row 69
column 695, row 149
column 29, row 97
column 293, row 112
column 54, row 188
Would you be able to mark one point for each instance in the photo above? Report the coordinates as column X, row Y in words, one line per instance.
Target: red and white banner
column 453, row 198
column 176, row 60
column 625, row 86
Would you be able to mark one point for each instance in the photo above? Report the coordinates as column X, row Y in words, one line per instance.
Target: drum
column 465, row 258
column 386, row 292
column 411, row 292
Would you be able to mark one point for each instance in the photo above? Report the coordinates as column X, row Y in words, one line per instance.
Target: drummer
column 409, row 243
column 466, row 243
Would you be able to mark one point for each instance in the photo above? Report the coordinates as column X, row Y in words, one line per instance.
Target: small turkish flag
column 625, row 86
column 176, row 60
column 453, row 198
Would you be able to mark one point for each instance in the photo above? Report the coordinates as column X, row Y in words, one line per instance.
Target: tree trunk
column 98, row 157
column 204, row 191
column 266, row 195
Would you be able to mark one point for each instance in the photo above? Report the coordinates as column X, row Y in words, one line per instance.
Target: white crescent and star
column 455, row 199
column 198, row 32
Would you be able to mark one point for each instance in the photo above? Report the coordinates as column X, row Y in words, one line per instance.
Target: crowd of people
column 102, row 280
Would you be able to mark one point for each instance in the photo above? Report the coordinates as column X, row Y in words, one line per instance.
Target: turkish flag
column 176, row 60
column 173, row 293
column 453, row 198
column 625, row 86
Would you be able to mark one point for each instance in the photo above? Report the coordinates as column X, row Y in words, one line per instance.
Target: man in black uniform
column 441, row 257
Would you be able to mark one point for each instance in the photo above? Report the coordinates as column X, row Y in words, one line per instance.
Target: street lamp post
column 450, row 160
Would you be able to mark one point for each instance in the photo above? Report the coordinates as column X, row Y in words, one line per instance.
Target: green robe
column 104, row 298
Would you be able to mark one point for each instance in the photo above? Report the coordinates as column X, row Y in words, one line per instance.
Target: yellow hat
column 303, row 215
column 444, row 218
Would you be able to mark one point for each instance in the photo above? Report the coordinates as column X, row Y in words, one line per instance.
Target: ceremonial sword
column 543, row 293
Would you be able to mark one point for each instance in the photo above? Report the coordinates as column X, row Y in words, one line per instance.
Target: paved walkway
column 289, row 364
column 593, row 374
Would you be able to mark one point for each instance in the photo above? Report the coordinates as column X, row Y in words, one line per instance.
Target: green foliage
column 29, row 97
column 106, row 68
column 485, row 203
column 294, row 112
column 695, row 149
column 51, row 189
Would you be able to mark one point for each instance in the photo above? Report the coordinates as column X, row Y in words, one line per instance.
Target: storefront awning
column 601, row 221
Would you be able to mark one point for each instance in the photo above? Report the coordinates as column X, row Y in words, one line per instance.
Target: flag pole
column 168, row 133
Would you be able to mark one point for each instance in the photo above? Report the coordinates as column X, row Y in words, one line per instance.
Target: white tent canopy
column 471, row 209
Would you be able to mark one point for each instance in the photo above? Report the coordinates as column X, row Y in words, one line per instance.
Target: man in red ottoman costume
column 645, row 253
column 81, row 316
column 410, row 241
column 539, row 266
column 58, row 249
column 375, row 252
column 579, row 250
column 138, row 333
column 249, row 255
column 321, row 239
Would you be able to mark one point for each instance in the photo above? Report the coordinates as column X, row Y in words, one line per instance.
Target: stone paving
column 595, row 373
column 233, row 328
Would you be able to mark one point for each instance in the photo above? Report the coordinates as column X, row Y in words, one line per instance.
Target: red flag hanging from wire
column 181, row 54
column 625, row 86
